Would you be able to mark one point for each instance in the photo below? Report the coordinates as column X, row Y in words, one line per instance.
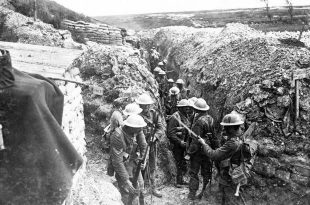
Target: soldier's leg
column 206, row 173
column 141, row 188
column 178, row 152
column 123, row 192
column 193, row 173
column 152, row 167
column 178, row 159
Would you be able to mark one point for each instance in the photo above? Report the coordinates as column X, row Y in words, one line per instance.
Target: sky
column 119, row 7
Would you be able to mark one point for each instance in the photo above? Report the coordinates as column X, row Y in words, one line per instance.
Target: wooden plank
column 297, row 86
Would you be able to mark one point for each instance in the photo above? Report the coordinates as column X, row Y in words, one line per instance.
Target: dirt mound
column 16, row 27
column 239, row 68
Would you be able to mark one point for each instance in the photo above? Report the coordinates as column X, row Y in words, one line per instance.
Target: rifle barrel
column 187, row 128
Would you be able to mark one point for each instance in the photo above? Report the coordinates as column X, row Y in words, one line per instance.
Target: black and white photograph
column 163, row 102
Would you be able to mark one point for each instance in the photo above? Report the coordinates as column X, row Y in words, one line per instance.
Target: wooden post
column 35, row 10
column 297, row 75
column 297, row 87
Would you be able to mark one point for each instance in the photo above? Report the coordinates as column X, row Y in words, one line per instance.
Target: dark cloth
column 183, row 93
column 176, row 136
column 204, row 164
column 39, row 161
column 177, row 133
column 223, row 155
column 154, row 125
column 171, row 104
column 202, row 126
column 123, row 153
column 6, row 70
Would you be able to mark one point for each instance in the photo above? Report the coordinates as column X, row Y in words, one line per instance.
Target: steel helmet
column 165, row 61
column 160, row 63
column 201, row 105
column 144, row 99
column 174, row 91
column 183, row 103
column 192, row 100
column 162, row 72
column 170, row 80
column 132, row 108
column 232, row 119
column 157, row 69
column 135, row 121
column 179, row 81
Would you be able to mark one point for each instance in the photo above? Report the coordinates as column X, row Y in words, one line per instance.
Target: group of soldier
column 136, row 131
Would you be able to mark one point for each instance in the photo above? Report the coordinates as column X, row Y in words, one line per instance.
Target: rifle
column 191, row 133
column 138, row 170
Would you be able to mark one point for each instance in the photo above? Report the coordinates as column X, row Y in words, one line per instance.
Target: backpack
column 241, row 172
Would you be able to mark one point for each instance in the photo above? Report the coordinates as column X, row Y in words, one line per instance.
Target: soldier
column 154, row 126
column 126, row 141
column 203, row 127
column 183, row 91
column 178, row 137
column 162, row 86
column 161, row 65
column 170, row 83
column 132, row 108
column 156, row 72
column 172, row 100
column 154, row 58
column 225, row 155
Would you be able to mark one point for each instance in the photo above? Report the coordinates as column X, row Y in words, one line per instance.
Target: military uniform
column 171, row 104
column 154, row 58
column 225, row 155
column 183, row 93
column 202, row 126
column 177, row 136
column 124, row 157
column 154, row 125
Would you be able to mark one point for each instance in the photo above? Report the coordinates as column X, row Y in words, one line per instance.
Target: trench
column 239, row 68
column 233, row 68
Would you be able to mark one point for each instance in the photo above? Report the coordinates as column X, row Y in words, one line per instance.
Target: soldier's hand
column 130, row 188
column 201, row 141
column 183, row 144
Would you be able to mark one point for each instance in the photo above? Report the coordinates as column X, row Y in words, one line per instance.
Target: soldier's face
column 145, row 108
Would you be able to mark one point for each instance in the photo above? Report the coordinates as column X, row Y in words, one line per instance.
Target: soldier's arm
column 221, row 153
column 141, row 142
column 159, row 127
column 172, row 125
column 215, row 142
column 117, row 157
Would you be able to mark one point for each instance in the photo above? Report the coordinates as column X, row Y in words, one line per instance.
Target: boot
column 191, row 195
